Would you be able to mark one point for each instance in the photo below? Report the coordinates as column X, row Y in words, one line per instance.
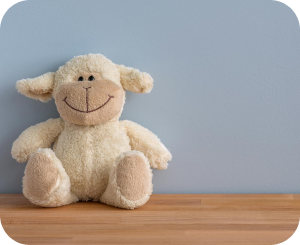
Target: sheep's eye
column 80, row 79
column 91, row 78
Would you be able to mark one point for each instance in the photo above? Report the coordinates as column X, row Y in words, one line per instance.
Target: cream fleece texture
column 37, row 88
column 87, row 156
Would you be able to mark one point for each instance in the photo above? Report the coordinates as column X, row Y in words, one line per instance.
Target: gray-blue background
column 226, row 97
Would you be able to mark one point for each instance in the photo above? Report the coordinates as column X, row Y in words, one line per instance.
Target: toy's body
column 95, row 156
column 89, row 174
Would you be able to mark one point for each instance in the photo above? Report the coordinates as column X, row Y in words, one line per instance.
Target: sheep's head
column 87, row 90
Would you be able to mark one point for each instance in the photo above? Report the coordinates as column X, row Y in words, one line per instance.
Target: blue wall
column 226, row 97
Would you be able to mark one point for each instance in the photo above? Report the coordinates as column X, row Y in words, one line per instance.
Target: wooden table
column 165, row 219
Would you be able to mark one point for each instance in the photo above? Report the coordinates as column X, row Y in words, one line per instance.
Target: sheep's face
column 90, row 100
column 88, row 91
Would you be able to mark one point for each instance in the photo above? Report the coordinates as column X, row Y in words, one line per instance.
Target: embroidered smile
column 87, row 105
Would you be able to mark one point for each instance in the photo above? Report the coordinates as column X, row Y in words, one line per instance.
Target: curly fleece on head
column 92, row 63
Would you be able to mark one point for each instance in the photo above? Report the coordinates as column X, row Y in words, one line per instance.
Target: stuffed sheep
column 88, row 154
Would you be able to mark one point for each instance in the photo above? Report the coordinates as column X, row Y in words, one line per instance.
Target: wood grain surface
column 165, row 219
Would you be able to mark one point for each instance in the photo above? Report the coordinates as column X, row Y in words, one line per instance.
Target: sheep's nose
column 86, row 88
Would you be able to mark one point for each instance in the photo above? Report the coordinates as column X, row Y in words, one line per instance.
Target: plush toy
column 94, row 155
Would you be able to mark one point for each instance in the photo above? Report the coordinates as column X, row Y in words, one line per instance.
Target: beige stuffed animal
column 95, row 156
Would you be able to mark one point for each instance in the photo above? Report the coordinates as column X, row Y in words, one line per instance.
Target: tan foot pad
column 133, row 177
column 41, row 175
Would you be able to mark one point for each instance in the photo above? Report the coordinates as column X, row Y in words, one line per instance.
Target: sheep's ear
column 134, row 80
column 39, row 88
